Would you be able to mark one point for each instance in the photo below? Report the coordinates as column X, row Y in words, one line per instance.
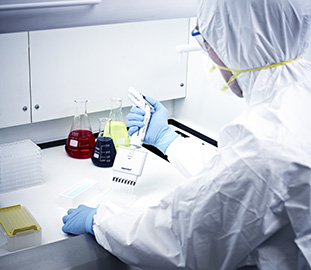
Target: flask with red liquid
column 81, row 141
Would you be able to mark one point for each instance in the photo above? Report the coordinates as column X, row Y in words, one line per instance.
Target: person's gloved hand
column 79, row 220
column 158, row 133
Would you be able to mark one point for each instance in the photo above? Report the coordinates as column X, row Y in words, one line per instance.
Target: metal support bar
column 49, row 4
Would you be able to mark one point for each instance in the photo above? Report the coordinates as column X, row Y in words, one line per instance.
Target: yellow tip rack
column 19, row 228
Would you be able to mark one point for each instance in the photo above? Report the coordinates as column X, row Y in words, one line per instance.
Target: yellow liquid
column 118, row 133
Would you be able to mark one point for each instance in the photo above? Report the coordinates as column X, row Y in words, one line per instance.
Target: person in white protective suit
column 250, row 204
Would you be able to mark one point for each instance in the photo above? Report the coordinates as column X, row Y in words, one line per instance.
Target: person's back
column 270, row 140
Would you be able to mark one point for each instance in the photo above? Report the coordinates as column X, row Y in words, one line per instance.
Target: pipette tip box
column 79, row 193
column 20, row 165
column 18, row 228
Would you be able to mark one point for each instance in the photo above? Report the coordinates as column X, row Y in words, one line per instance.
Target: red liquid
column 80, row 144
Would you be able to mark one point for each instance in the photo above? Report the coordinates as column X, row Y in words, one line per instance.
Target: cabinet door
column 14, row 80
column 99, row 62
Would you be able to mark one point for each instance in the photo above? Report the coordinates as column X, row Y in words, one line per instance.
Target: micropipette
column 129, row 161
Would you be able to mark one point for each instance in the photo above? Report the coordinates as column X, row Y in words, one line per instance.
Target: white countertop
column 60, row 172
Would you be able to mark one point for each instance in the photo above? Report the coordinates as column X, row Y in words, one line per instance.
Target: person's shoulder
column 257, row 130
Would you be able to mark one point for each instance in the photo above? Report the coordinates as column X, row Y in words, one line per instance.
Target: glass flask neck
column 81, row 120
column 104, row 127
column 116, row 109
column 81, row 106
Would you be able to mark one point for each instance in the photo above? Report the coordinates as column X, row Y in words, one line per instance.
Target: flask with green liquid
column 118, row 128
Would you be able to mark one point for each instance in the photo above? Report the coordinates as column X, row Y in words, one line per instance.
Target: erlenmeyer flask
column 104, row 151
column 118, row 128
column 81, row 141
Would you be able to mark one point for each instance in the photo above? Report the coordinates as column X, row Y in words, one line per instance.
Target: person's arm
column 189, row 156
column 212, row 221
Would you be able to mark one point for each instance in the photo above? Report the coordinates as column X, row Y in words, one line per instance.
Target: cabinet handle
column 49, row 4
column 37, row 106
column 25, row 108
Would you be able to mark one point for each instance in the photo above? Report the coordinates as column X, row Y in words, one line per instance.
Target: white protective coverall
column 250, row 203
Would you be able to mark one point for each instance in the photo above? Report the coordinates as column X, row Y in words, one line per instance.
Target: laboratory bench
column 60, row 172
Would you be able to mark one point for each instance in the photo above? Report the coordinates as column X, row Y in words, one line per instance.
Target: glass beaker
column 118, row 129
column 80, row 142
column 104, row 151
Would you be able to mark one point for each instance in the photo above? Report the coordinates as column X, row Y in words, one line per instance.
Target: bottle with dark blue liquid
column 104, row 151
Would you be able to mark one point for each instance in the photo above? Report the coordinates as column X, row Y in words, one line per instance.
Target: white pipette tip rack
column 20, row 165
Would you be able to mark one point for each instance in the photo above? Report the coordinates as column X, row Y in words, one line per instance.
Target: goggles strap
column 238, row 72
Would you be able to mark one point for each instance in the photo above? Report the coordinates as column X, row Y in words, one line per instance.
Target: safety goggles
column 202, row 42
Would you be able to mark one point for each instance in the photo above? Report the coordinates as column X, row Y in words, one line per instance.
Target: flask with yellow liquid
column 118, row 128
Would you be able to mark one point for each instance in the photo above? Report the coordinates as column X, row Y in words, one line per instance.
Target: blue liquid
column 104, row 152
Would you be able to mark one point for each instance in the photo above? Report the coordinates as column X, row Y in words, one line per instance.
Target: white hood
column 250, row 41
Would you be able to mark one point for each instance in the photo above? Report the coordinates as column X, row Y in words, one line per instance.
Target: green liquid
column 118, row 133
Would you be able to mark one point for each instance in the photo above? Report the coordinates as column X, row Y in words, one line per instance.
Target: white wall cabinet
column 95, row 62
column 15, row 106
column 99, row 62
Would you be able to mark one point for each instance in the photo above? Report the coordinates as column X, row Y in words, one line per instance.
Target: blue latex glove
column 158, row 133
column 79, row 220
